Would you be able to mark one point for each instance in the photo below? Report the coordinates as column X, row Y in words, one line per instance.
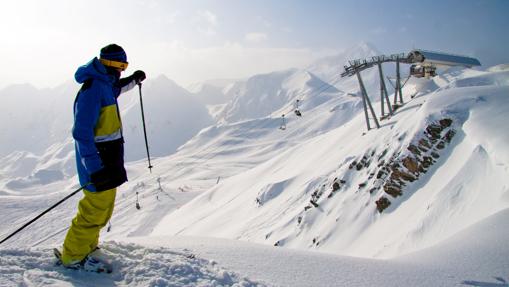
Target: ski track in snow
column 133, row 265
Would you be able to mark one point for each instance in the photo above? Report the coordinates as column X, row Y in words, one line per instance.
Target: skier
column 99, row 148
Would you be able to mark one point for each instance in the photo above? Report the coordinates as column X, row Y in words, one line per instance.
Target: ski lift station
column 426, row 62
column 423, row 64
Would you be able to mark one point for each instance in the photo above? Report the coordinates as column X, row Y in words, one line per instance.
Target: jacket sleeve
column 125, row 84
column 86, row 115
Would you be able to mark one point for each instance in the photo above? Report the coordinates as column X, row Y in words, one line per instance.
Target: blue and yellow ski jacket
column 97, row 127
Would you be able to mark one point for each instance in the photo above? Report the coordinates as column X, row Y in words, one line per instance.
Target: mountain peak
column 330, row 67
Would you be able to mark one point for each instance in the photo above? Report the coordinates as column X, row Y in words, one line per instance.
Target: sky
column 44, row 42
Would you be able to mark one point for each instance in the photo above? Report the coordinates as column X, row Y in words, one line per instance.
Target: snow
column 271, row 197
column 234, row 200
column 133, row 265
column 170, row 106
column 476, row 256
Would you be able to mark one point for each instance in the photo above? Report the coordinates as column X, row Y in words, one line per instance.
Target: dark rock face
column 382, row 203
column 411, row 164
column 391, row 173
column 393, row 190
column 423, row 155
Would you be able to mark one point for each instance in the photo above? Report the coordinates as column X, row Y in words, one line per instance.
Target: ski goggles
column 114, row 64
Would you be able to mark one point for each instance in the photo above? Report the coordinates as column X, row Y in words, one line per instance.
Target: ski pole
column 46, row 211
column 144, row 129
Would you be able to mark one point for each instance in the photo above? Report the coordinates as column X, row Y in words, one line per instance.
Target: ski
column 58, row 255
column 89, row 264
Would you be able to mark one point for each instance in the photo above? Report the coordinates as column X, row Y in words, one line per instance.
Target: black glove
column 103, row 179
column 139, row 76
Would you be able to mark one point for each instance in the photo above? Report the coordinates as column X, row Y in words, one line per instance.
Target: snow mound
column 133, row 265
column 480, row 249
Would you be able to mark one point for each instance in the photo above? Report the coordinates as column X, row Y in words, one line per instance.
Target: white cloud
column 188, row 65
column 168, row 18
column 287, row 29
column 208, row 17
column 265, row 22
column 255, row 37
column 206, row 22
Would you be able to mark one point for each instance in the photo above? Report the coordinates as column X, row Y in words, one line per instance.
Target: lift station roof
column 443, row 59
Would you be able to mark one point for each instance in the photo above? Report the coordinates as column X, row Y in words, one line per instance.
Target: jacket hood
column 93, row 70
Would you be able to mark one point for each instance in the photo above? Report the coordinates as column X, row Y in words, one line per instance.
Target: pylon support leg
column 398, row 85
column 383, row 91
column 366, row 102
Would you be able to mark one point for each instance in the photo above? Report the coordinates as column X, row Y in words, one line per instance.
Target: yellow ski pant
column 94, row 212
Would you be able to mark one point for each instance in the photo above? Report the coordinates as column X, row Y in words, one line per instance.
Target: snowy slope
column 232, row 148
column 48, row 123
column 211, row 93
column 475, row 257
column 263, row 94
column 441, row 161
column 167, row 109
column 290, row 199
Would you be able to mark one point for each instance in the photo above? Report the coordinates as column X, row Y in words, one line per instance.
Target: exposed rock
column 397, row 173
column 413, row 149
column 441, row 145
column 411, row 164
column 424, row 143
column 383, row 154
column 427, row 162
column 382, row 203
column 434, row 130
column 445, row 123
column 402, row 176
column 422, row 149
column 393, row 190
column 449, row 135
